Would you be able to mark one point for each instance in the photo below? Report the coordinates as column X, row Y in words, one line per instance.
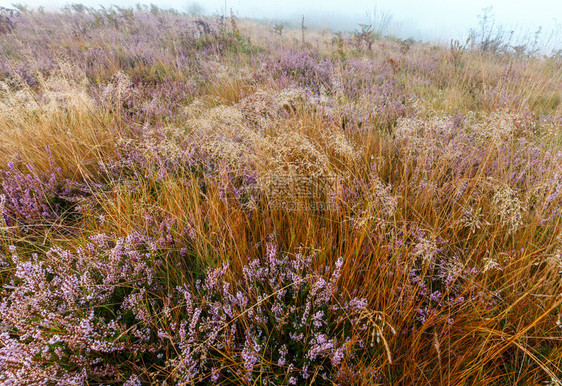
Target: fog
column 419, row 19
column 428, row 17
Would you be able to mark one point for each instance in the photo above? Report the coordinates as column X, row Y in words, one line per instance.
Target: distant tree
column 278, row 28
column 77, row 7
column 489, row 37
column 379, row 22
column 195, row 9
column 22, row 8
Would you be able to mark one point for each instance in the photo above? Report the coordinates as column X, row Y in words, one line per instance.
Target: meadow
column 189, row 200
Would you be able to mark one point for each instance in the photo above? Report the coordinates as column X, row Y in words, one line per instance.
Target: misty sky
column 439, row 19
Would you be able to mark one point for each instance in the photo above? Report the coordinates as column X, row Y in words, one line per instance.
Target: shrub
column 301, row 68
column 35, row 198
column 99, row 313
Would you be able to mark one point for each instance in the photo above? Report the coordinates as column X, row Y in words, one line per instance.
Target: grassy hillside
column 197, row 201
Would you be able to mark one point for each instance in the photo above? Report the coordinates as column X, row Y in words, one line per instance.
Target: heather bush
column 301, row 68
column 98, row 313
column 65, row 315
column 34, row 200
column 284, row 322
